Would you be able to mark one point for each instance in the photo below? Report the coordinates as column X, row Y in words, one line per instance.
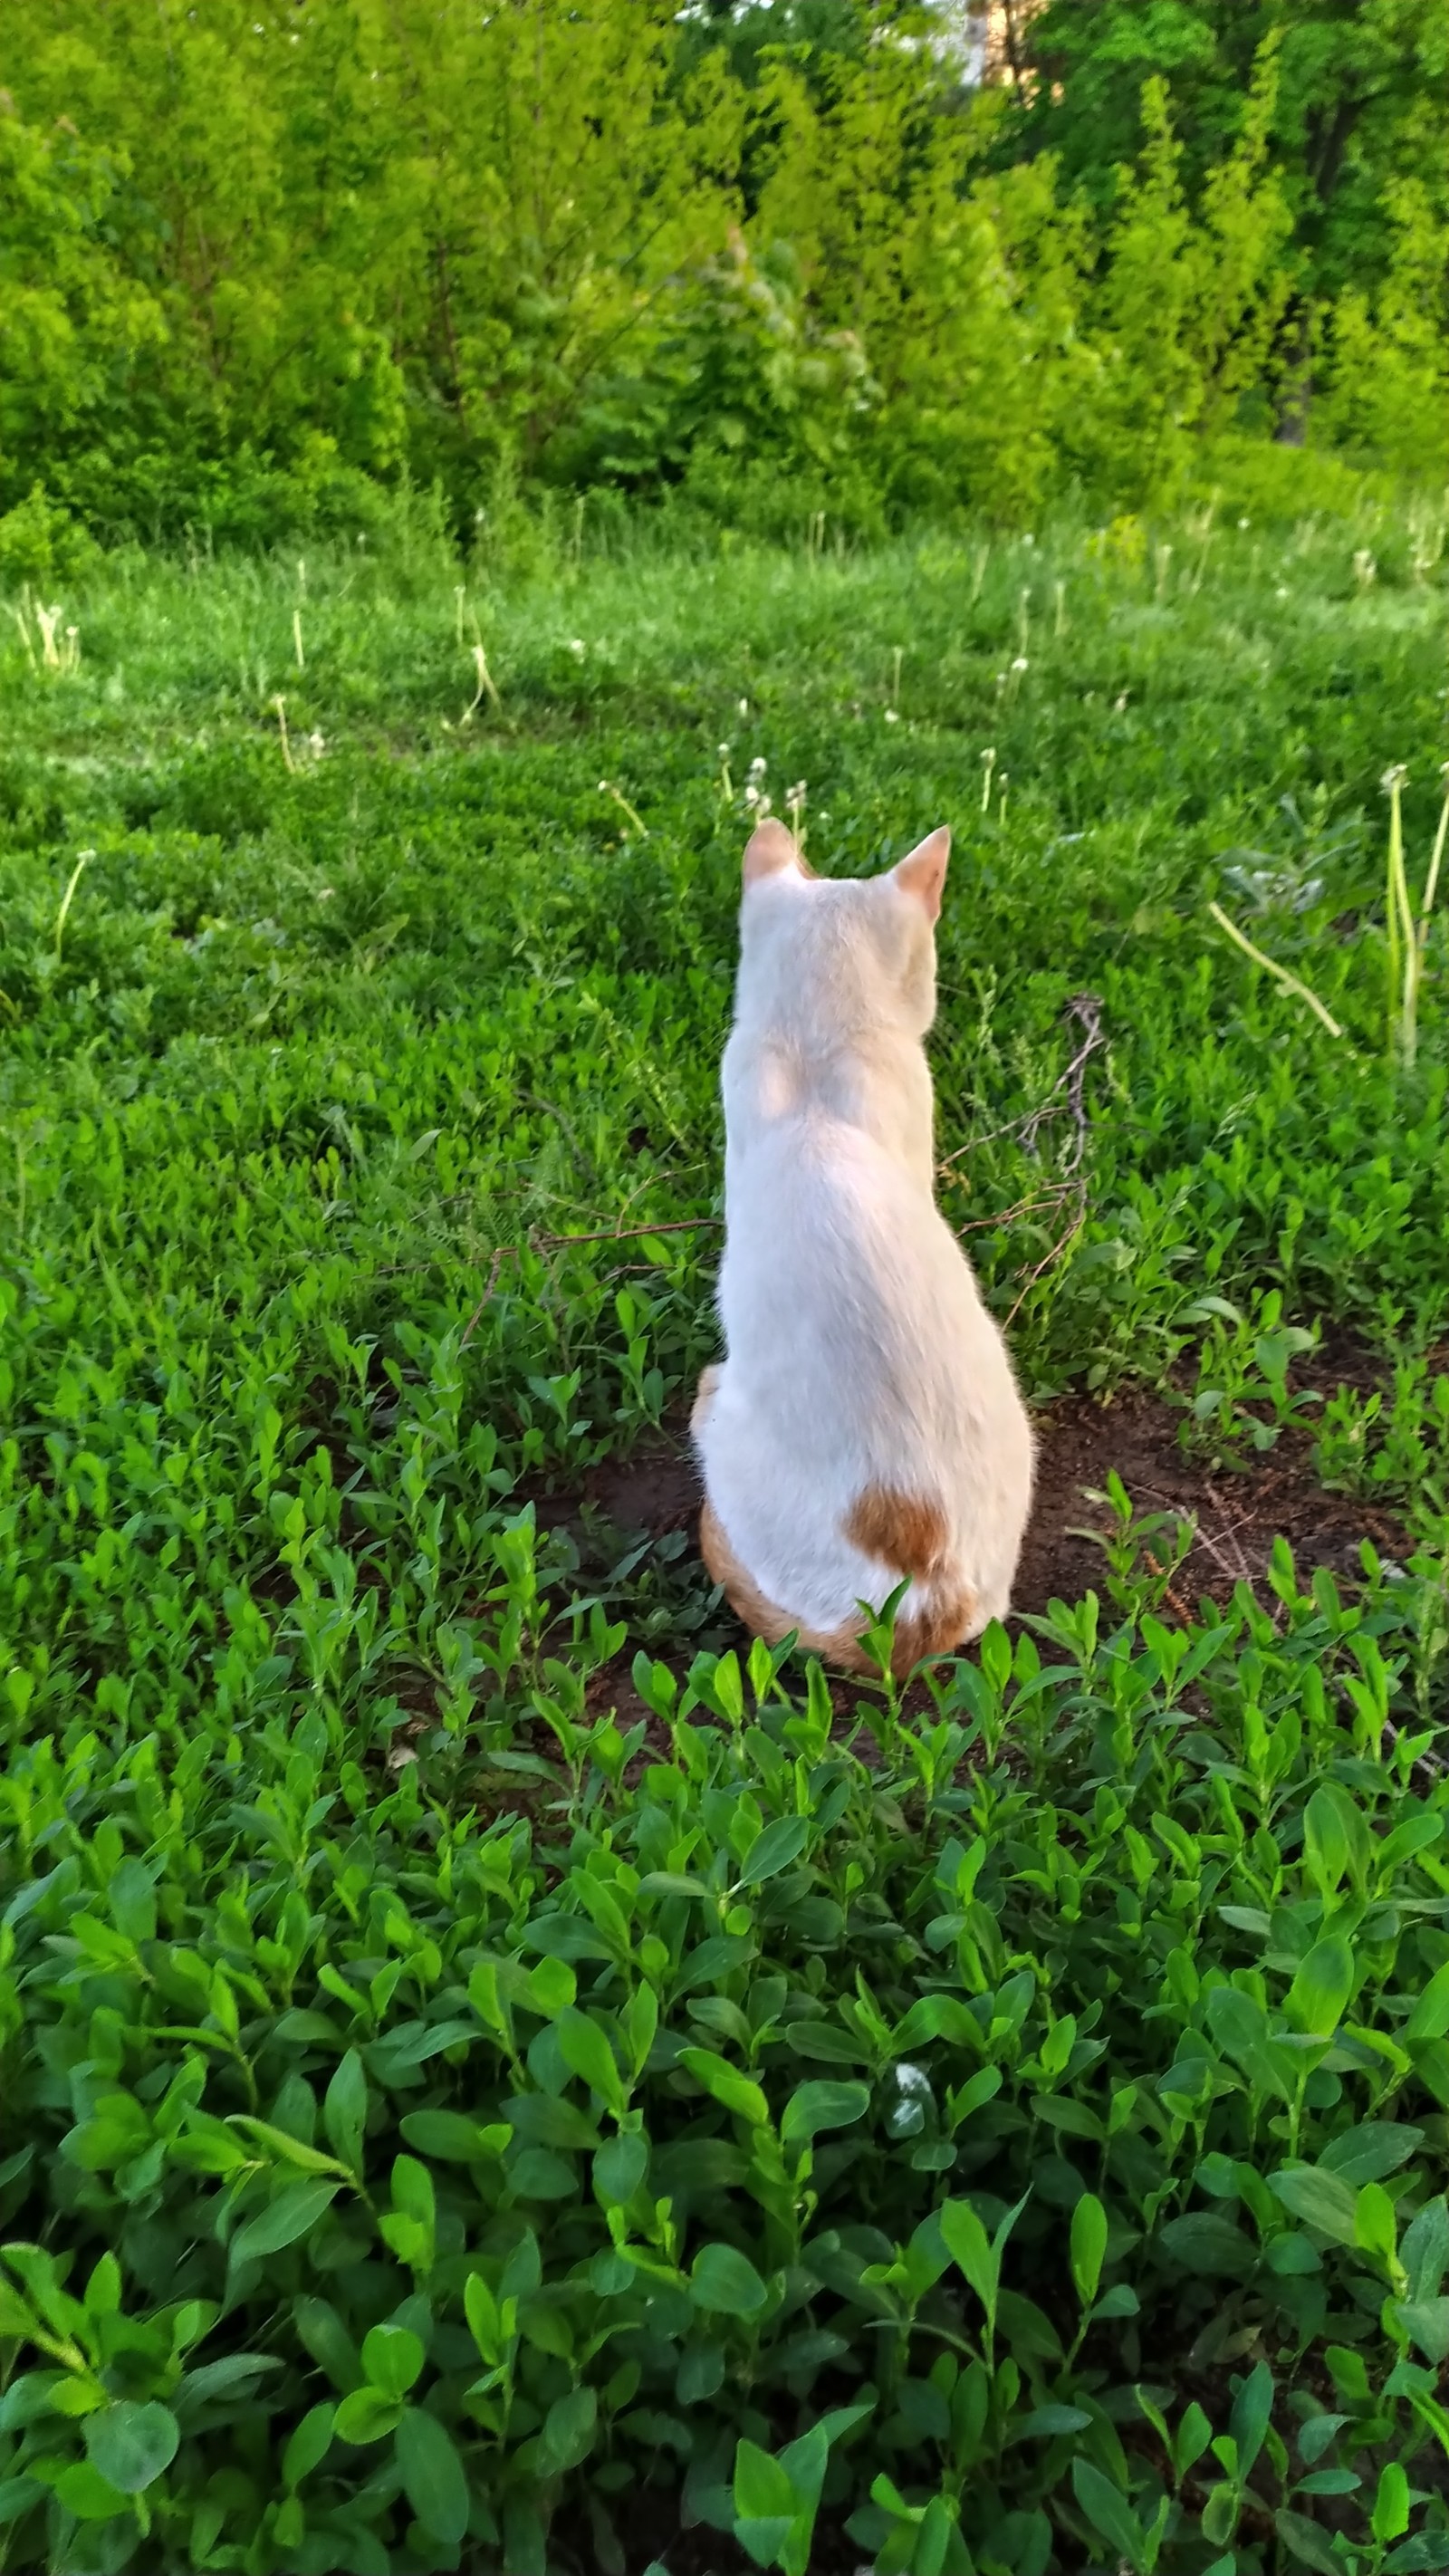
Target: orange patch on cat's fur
column 905, row 1531
column 909, row 1534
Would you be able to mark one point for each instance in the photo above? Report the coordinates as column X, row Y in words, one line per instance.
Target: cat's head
column 838, row 953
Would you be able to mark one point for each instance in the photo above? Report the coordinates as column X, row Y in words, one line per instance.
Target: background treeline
column 257, row 259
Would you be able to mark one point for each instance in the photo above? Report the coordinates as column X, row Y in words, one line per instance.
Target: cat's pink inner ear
column 922, row 872
column 769, row 849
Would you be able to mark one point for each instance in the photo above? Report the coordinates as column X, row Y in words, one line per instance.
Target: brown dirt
column 1237, row 1512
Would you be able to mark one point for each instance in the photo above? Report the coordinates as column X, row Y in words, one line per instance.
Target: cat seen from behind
column 864, row 1425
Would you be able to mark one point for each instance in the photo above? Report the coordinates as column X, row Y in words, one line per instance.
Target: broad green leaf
column 216, row 2381
column 538, row 2174
column 935, row 2017
column 738, row 2093
column 1430, row 2016
column 569, row 2428
column 1204, row 2241
column 552, row 1986
column 970, row 2249
column 1391, row 2504
column 766, row 2539
column 761, row 2486
column 1251, row 2416
column 1375, row 2225
column 344, row 2110
column 131, row 2444
column 1325, row 1840
column 774, row 1849
column 309, row 2445
column 1425, row 2249
column 586, row 2050
column 103, row 2289
column 89, row 2496
column 132, row 1899
column 1089, row 2246
column 293, row 2214
column 287, row 2149
column 327, row 2340
column 1108, row 2511
column 1306, row 2543
column 1048, row 2423
column 367, row 2416
column 392, row 2358
column 1369, row 2151
column 433, row 2476
column 450, row 2138
column 725, row 2281
column 1321, row 2200
column 641, row 2026
column 1426, row 2323
column 620, row 2168
column 822, row 2105
column 1319, row 1995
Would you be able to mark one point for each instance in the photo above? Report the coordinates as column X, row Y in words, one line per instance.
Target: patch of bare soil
column 1236, row 1514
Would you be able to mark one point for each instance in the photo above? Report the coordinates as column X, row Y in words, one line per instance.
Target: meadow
column 499, row 2074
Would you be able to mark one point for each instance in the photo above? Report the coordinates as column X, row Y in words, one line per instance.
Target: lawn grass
column 447, row 2088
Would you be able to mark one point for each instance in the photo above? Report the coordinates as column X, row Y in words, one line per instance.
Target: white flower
column 1243, row 523
column 724, row 750
column 1119, row 705
column 744, row 706
column 892, row 715
column 1392, row 778
column 325, row 894
column 316, row 744
column 1021, row 663
column 578, row 646
column 758, row 765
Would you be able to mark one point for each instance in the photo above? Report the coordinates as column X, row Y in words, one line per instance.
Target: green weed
column 458, row 2099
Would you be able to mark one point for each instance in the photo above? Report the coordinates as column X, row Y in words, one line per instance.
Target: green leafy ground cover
column 445, row 2124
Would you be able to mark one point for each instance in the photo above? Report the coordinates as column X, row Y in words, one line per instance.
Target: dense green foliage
column 251, row 263
column 455, row 2102
column 1356, row 118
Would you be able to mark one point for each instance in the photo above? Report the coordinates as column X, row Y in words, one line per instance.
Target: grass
column 454, row 2106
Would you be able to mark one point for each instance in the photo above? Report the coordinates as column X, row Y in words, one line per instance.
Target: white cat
column 865, row 1423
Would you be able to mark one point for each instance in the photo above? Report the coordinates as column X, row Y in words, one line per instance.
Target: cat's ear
column 922, row 872
column 769, row 850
